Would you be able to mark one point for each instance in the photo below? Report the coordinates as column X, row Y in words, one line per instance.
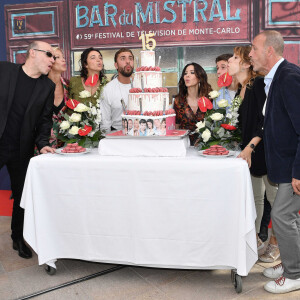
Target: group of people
column 34, row 97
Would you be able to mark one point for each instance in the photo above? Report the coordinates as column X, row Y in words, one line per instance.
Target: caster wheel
column 49, row 270
column 233, row 273
column 238, row 284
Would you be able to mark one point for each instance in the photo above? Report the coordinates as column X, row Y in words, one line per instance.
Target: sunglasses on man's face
column 48, row 53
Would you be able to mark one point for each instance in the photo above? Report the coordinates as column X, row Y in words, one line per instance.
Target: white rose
column 214, row 94
column 64, row 125
column 200, row 125
column 84, row 94
column 222, row 103
column 74, row 130
column 206, row 135
column 217, row 116
column 81, row 108
column 75, row 117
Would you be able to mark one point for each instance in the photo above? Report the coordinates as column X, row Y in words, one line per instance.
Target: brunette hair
column 205, row 87
column 83, row 63
column 243, row 53
column 224, row 57
column 121, row 51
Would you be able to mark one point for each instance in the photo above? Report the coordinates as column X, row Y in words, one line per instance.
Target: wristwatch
column 252, row 146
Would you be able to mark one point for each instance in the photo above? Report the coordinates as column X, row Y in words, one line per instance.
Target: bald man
column 26, row 106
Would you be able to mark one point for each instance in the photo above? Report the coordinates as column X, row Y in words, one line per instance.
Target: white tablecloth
column 186, row 212
column 144, row 147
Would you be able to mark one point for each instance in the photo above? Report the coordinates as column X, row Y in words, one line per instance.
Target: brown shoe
column 271, row 254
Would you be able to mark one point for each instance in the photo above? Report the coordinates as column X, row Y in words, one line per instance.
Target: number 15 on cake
column 147, row 41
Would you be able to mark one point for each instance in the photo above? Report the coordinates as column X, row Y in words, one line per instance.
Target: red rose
column 204, row 104
column 85, row 131
column 92, row 80
column 72, row 103
column 228, row 127
column 224, row 80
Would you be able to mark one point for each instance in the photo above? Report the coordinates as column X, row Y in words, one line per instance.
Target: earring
column 199, row 85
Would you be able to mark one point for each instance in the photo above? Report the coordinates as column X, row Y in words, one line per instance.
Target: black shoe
column 263, row 234
column 24, row 251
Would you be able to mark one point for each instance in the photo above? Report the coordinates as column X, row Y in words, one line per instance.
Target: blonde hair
column 57, row 48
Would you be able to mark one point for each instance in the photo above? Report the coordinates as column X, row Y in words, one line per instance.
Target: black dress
column 251, row 122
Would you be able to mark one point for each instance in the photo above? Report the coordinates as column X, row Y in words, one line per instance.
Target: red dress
column 186, row 118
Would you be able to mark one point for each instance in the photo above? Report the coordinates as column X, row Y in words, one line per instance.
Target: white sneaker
column 282, row 285
column 274, row 272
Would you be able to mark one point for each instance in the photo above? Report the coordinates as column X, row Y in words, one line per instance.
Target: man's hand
column 47, row 149
column 296, row 186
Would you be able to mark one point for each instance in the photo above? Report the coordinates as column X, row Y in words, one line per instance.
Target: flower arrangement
column 82, row 121
column 81, row 124
column 218, row 127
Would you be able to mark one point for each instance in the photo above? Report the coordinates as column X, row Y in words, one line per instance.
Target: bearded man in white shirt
column 117, row 89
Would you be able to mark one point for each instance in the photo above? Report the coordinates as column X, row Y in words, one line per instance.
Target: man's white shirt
column 110, row 104
column 268, row 81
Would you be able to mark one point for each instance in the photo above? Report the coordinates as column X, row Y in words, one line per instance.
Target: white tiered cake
column 147, row 113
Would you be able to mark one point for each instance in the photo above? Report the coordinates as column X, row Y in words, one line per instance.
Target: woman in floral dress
column 91, row 67
column 192, row 85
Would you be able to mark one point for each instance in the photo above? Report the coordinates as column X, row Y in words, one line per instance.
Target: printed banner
column 113, row 23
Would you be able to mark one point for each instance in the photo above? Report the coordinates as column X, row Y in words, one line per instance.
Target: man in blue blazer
column 282, row 150
column 26, row 107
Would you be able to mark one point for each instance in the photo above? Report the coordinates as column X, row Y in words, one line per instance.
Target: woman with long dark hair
column 91, row 62
column 251, row 124
column 192, row 85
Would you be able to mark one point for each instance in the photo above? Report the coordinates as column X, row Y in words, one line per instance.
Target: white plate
column 230, row 154
column 58, row 151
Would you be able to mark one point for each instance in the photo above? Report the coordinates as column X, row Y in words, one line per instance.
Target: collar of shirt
column 269, row 77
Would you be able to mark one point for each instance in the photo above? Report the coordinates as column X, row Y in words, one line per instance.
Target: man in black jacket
column 26, row 105
column 282, row 150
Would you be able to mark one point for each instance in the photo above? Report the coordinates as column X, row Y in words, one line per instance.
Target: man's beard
column 124, row 73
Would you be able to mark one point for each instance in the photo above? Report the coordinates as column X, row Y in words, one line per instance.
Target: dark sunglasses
column 48, row 53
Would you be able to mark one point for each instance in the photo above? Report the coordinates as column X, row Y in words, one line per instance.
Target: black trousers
column 267, row 213
column 17, row 173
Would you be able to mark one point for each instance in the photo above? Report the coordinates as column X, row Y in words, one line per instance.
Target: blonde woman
column 251, row 123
